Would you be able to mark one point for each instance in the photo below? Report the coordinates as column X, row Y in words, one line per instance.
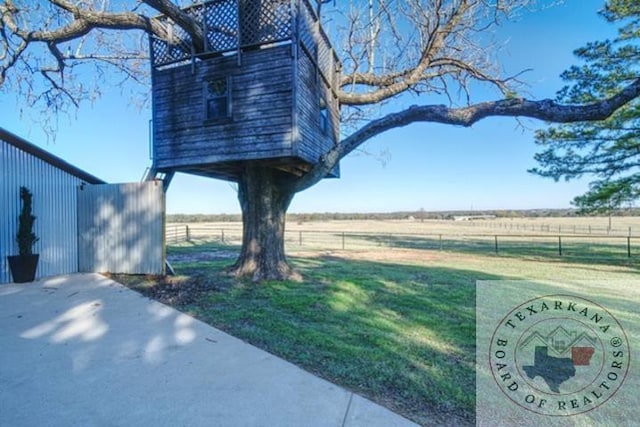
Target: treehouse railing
column 228, row 29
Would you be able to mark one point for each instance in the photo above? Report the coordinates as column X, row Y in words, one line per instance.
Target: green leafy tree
column 608, row 150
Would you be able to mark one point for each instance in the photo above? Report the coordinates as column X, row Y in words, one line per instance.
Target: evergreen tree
column 608, row 150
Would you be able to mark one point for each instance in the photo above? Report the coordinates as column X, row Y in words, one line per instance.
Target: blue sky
column 431, row 166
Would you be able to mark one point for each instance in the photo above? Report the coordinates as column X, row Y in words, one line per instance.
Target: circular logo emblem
column 559, row 355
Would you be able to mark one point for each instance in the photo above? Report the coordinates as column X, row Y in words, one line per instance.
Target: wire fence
column 541, row 244
column 557, row 229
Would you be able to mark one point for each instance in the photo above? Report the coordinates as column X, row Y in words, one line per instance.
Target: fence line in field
column 558, row 229
column 541, row 244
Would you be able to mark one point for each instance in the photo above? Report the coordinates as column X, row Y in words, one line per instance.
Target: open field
column 578, row 237
column 575, row 225
column 395, row 324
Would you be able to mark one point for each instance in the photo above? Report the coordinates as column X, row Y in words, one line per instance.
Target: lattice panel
column 250, row 22
column 167, row 53
column 264, row 21
column 282, row 22
column 178, row 48
column 221, row 23
column 160, row 51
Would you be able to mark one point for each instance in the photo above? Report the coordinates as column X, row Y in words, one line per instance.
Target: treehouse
column 261, row 88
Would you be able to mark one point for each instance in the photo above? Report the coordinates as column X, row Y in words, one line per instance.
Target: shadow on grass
column 401, row 335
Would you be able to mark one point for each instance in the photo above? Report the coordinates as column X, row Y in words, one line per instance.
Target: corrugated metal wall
column 121, row 228
column 54, row 205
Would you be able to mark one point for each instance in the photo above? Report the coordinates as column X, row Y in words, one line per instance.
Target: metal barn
column 54, row 185
column 83, row 224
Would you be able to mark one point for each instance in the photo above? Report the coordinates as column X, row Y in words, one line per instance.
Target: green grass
column 570, row 248
column 399, row 331
column 391, row 334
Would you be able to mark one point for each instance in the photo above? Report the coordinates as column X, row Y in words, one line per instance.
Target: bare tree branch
column 438, row 25
column 84, row 21
column 543, row 110
column 426, row 40
column 41, row 43
column 182, row 19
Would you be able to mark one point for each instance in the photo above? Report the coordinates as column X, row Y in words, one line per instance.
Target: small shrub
column 26, row 237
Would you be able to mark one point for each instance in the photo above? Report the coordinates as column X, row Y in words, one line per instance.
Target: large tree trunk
column 264, row 198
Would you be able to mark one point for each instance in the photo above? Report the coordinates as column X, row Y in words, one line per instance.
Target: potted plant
column 23, row 266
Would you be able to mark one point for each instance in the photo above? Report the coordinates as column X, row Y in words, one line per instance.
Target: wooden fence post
column 560, row 245
column 628, row 246
column 496, row 241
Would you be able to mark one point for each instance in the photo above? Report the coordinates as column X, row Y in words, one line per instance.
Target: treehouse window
column 217, row 100
column 324, row 117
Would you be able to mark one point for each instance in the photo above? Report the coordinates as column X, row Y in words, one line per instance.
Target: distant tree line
column 188, row 218
column 400, row 215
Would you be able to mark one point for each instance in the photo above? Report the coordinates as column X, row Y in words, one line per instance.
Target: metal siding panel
column 124, row 232
column 85, row 230
column 120, row 228
column 5, row 210
column 54, row 205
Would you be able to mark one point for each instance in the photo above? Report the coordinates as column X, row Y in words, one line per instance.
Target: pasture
column 573, row 237
column 394, row 322
column 575, row 225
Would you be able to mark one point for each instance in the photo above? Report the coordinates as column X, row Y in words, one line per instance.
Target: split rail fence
column 543, row 244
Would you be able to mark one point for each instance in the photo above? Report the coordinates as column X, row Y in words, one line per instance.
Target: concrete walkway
column 82, row 350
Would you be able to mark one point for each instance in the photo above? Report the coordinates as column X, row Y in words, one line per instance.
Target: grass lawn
column 397, row 326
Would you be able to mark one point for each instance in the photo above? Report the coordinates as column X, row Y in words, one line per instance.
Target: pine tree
column 608, row 150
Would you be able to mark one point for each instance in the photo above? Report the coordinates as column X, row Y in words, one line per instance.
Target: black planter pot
column 23, row 267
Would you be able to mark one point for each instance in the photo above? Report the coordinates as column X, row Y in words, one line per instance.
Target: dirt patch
column 176, row 291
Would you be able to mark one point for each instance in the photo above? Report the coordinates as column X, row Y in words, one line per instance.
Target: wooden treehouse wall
column 281, row 109
column 260, row 123
column 312, row 91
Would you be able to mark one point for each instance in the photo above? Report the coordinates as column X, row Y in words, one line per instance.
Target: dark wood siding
column 314, row 141
column 260, row 125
